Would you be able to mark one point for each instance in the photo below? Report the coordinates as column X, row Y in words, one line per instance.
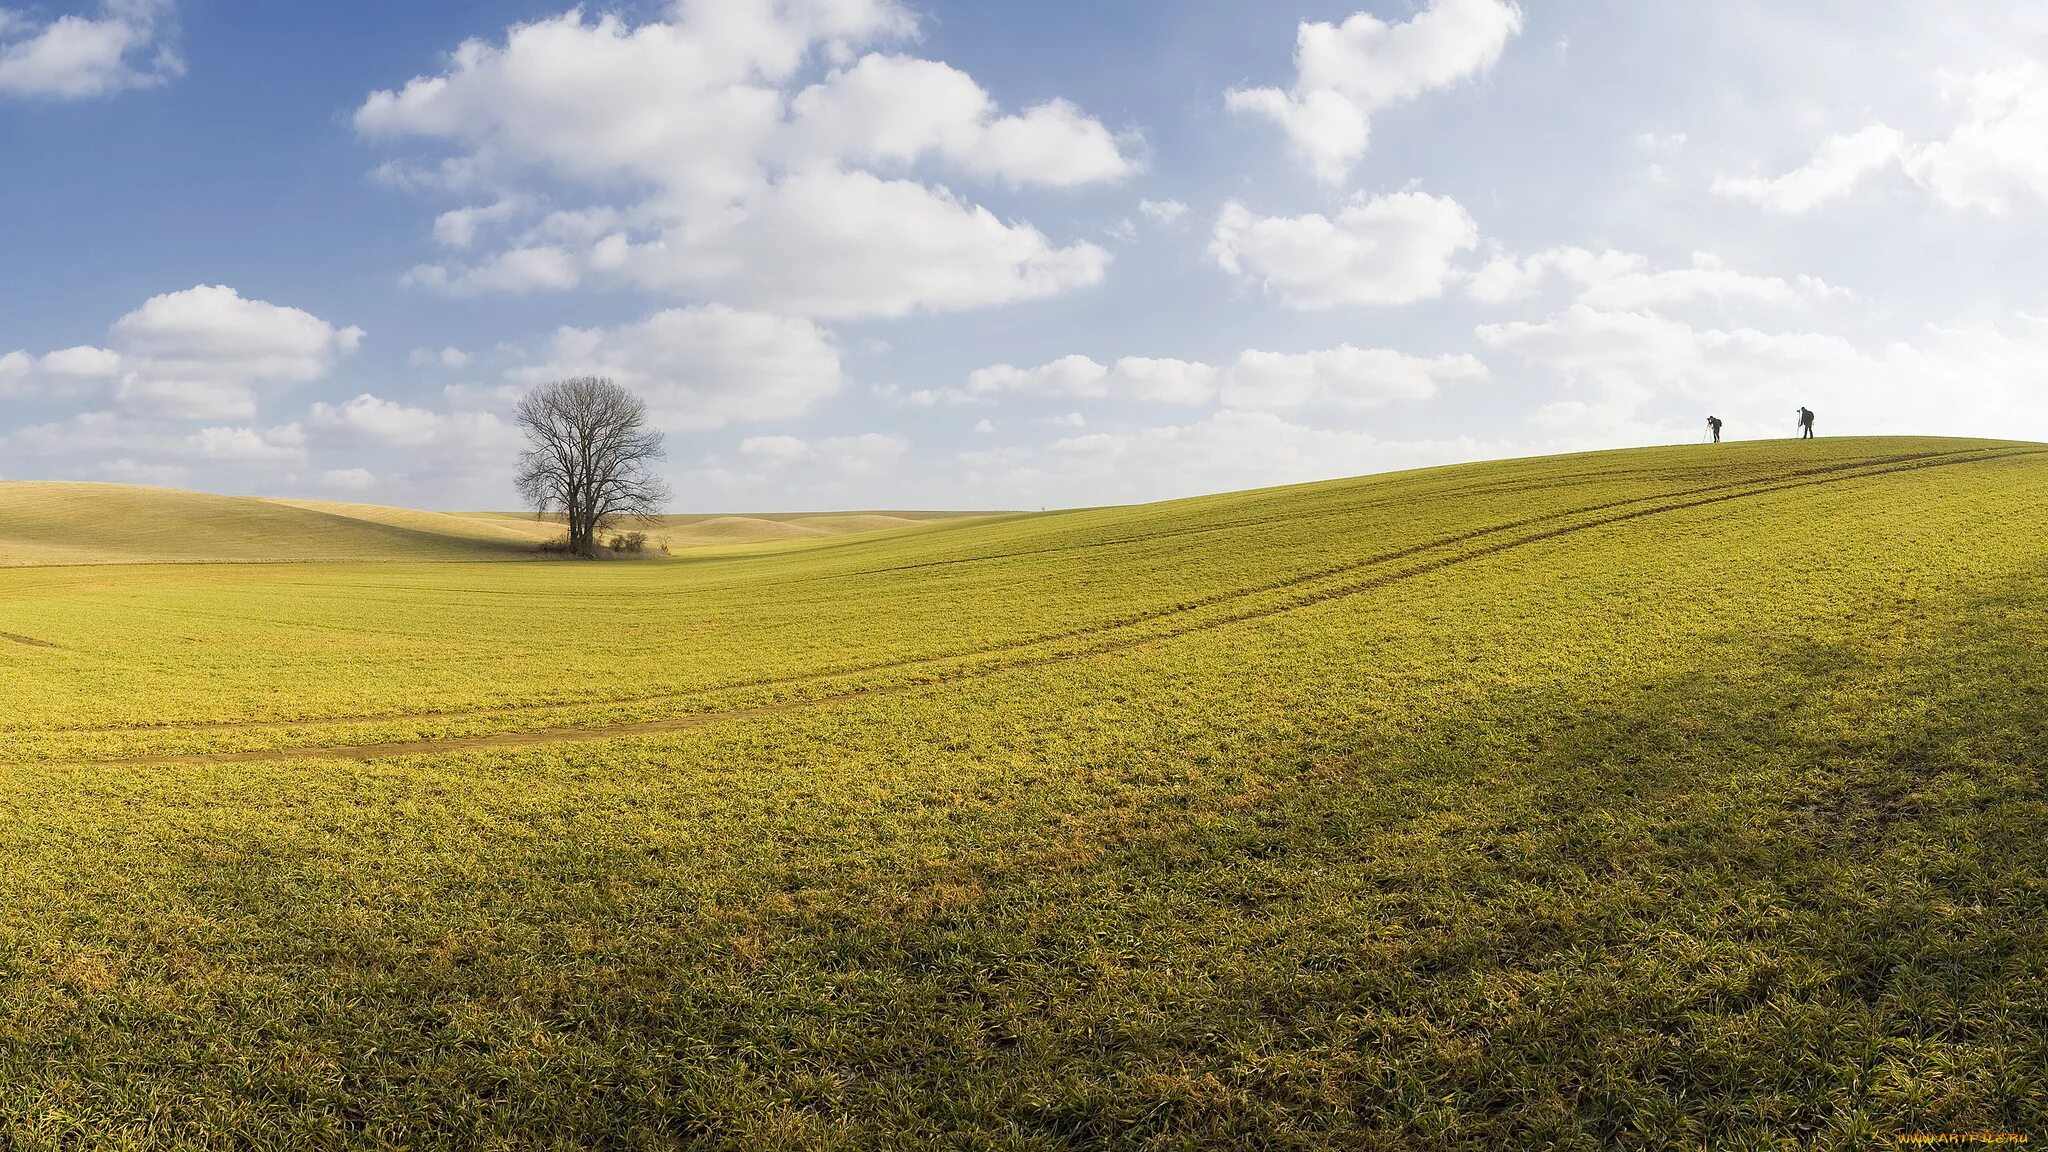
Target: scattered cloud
column 1660, row 147
column 1165, row 213
column 701, row 367
column 458, row 448
column 890, row 112
column 1067, row 376
column 439, row 358
column 776, row 449
column 1999, row 153
column 1344, row 377
column 204, row 353
column 285, row 444
column 1996, row 155
column 127, row 471
column 458, row 227
column 1628, row 365
column 1346, row 73
column 1609, row 279
column 1707, row 280
column 1395, row 249
column 715, row 176
column 127, row 44
column 482, row 396
column 1164, row 381
column 383, row 421
column 1634, row 353
column 145, row 451
column 348, row 479
column 1228, row 450
column 1841, row 163
column 1508, row 277
column 15, row 369
column 822, row 244
column 1133, row 377
column 866, row 454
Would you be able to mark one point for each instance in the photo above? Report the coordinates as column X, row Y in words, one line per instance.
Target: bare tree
column 588, row 456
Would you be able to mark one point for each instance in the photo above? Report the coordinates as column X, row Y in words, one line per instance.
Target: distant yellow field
column 711, row 531
column 49, row 522
column 62, row 523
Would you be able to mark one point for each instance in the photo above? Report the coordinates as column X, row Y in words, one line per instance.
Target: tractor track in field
column 1673, row 502
column 29, row 641
column 1870, row 466
column 1232, row 526
column 1097, row 627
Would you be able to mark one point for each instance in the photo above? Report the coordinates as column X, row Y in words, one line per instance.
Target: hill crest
column 50, row 523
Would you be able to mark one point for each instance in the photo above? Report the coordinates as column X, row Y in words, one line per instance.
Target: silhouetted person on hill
column 1714, row 426
column 1805, row 423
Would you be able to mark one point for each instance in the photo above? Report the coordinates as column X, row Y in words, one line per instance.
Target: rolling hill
column 44, row 523
column 700, row 531
column 1673, row 797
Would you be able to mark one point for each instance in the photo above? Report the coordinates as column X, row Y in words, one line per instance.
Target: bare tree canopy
column 588, row 456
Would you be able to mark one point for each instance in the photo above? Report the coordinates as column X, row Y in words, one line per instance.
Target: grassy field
column 1687, row 797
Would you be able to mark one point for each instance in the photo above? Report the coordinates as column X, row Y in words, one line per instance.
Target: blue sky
column 871, row 253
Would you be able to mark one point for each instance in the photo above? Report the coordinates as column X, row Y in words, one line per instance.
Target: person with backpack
column 1805, row 423
column 1714, row 426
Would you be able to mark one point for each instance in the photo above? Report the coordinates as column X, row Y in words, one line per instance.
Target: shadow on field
column 1795, row 894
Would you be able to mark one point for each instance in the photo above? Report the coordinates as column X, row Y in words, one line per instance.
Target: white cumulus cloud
column 204, row 353
column 1999, row 153
column 348, row 479
column 382, row 421
column 439, row 358
column 1638, row 370
column 1841, row 163
column 893, row 111
column 1395, row 249
column 1341, row 377
column 1228, row 450
column 1165, row 213
column 1610, row 279
column 701, row 367
column 125, row 45
column 1995, row 156
column 1345, row 73
column 865, row 455
column 111, row 445
column 713, row 175
column 853, row 244
column 285, row 444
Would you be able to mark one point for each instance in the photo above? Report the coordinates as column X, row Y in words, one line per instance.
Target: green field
column 1685, row 797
